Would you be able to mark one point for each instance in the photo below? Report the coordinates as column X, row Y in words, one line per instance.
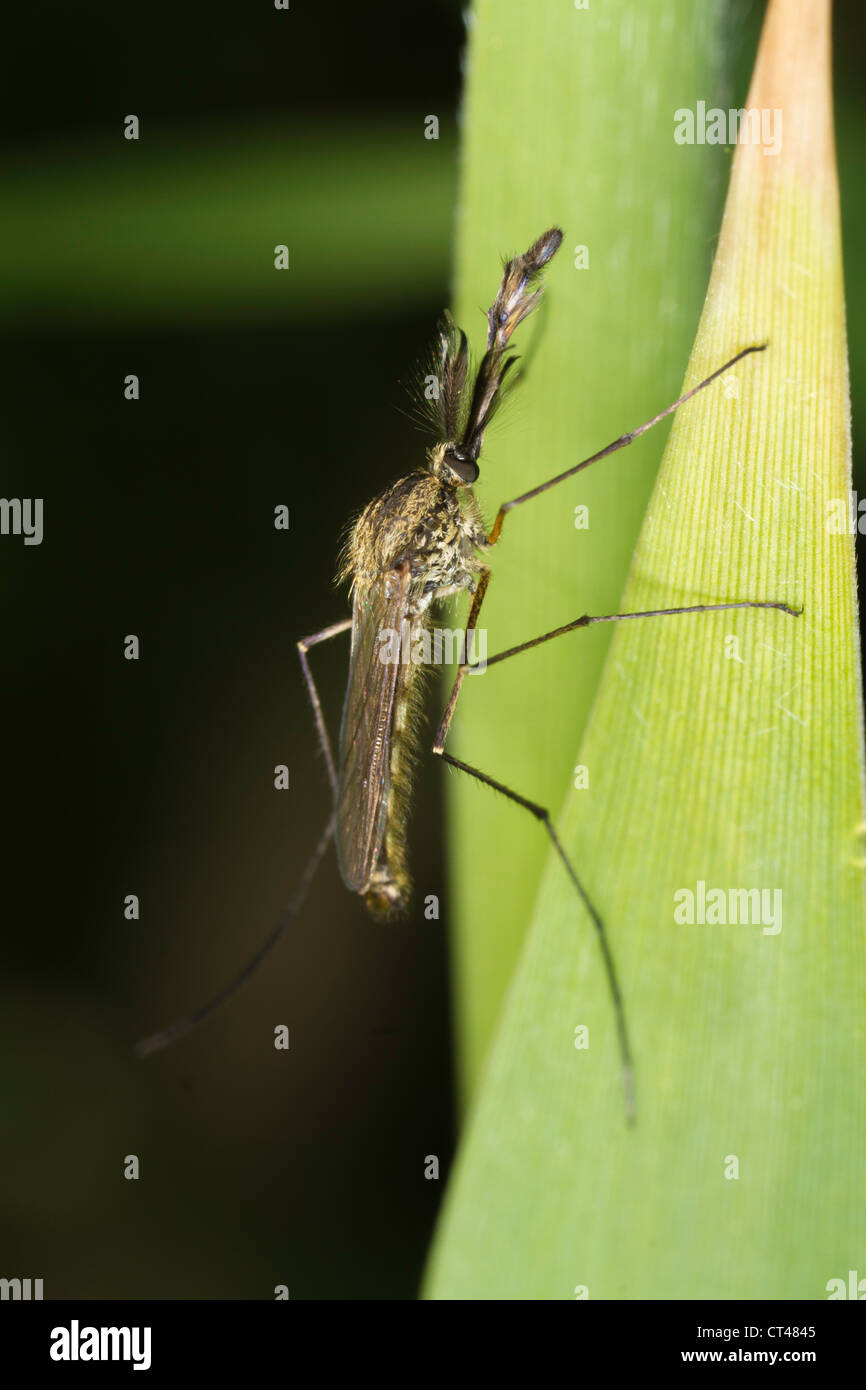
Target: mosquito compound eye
column 466, row 470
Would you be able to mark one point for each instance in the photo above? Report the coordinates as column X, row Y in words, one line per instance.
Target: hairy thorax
column 418, row 519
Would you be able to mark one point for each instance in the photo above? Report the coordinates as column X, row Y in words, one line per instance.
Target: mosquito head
column 453, row 465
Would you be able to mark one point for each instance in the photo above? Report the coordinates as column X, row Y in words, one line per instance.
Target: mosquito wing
column 365, row 734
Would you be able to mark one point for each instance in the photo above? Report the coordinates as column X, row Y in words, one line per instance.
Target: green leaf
column 724, row 750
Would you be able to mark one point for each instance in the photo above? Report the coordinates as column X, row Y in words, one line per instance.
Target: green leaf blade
column 724, row 749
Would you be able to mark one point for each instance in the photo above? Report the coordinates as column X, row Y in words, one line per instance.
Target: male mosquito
column 417, row 543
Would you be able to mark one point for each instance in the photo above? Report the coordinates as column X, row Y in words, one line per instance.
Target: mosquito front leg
column 621, row 443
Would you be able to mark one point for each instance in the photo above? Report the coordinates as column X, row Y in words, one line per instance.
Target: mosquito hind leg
column 321, row 729
column 157, row 1041
column 166, row 1036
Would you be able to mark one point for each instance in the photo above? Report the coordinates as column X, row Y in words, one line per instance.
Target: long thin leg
column 157, row 1041
column 587, row 621
column 610, row 968
column 303, row 647
column 621, row 443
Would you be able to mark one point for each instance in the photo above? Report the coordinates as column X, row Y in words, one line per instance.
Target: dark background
column 156, row 777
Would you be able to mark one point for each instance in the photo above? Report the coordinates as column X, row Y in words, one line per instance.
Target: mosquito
column 419, row 542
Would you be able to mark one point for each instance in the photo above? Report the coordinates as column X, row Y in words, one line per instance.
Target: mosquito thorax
column 429, row 518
